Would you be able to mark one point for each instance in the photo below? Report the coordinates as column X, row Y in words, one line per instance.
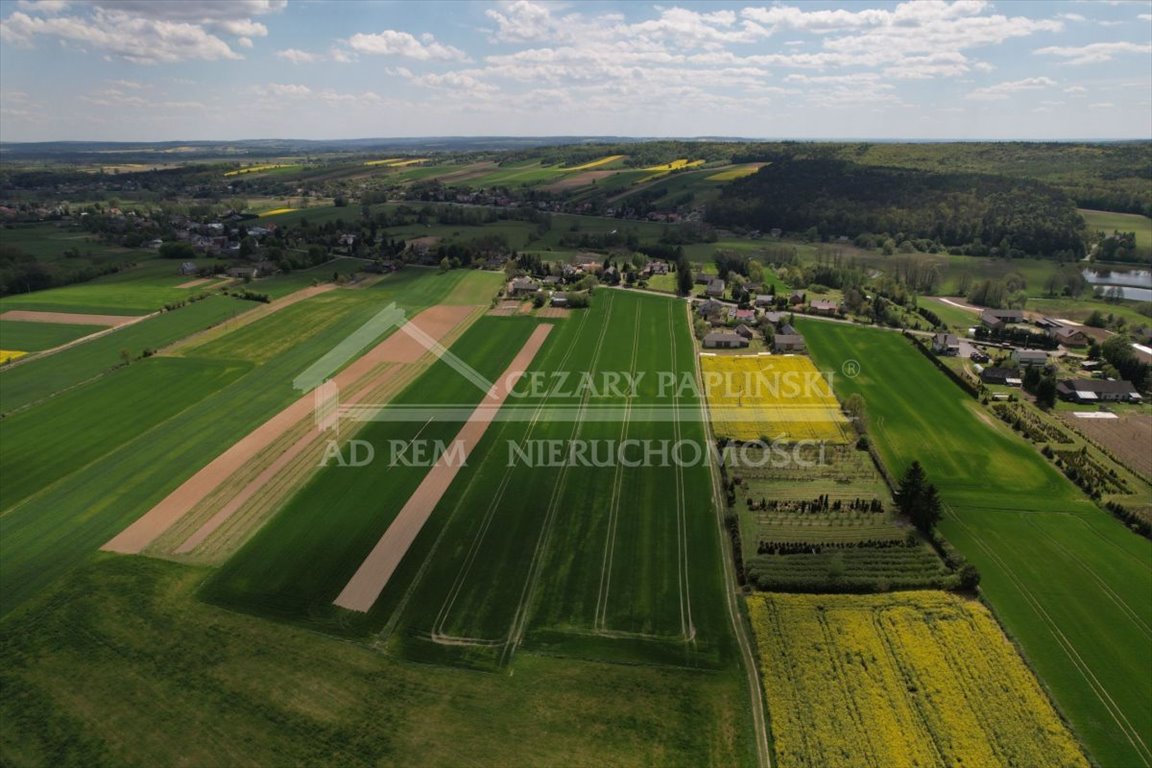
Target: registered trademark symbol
column 851, row 368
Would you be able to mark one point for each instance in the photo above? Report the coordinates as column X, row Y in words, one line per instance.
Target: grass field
column 919, row 678
column 39, row 379
column 48, row 534
column 34, row 337
column 1069, row 583
column 1109, row 222
column 121, row 665
column 494, row 568
column 138, row 290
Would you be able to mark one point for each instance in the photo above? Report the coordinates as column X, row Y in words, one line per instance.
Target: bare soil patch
column 373, row 574
column 1128, row 438
column 437, row 322
column 72, row 318
column 553, row 312
column 197, row 282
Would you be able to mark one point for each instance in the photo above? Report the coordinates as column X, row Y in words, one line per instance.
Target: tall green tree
column 918, row 500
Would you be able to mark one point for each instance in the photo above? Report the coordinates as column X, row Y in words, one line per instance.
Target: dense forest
column 973, row 213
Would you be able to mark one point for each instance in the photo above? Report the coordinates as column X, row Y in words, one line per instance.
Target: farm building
column 764, row 300
column 825, row 307
column 796, row 298
column 1030, row 357
column 946, row 344
column 1095, row 391
column 998, row 318
column 523, row 286
column 724, row 340
column 745, row 331
column 715, row 289
column 788, row 340
column 1005, row 376
column 703, row 279
column 559, row 299
column 1069, row 336
column 189, row 268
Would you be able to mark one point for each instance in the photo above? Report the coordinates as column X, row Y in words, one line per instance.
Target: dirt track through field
column 197, row 282
column 70, row 318
column 373, row 574
column 436, row 322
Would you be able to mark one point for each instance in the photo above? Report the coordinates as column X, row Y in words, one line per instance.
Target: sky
column 172, row 70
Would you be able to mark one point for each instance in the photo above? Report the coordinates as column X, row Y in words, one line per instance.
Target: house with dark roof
column 788, row 340
column 724, row 340
column 710, row 307
column 715, row 289
column 1027, row 358
column 1069, row 336
column 1097, row 391
column 825, row 307
column 946, row 344
column 523, row 286
column 998, row 318
column 764, row 300
column 745, row 331
column 1005, row 376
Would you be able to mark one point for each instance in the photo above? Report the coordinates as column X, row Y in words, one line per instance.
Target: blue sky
column 323, row 69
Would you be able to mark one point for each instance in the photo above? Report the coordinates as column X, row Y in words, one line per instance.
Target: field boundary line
column 75, row 343
column 739, row 628
column 687, row 626
column 370, row 579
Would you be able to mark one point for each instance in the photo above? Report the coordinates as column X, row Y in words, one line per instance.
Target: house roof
column 723, row 336
column 947, row 339
column 825, row 304
column 787, row 340
column 1030, row 354
column 1099, row 386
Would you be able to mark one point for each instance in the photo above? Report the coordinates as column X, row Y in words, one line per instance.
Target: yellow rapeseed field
column 259, row 168
column 783, row 397
column 276, row 212
column 10, row 354
column 736, row 172
column 596, row 163
column 675, row 165
column 904, row 679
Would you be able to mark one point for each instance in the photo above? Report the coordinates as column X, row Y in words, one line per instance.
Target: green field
column 1069, row 583
column 34, row 337
column 533, row 566
column 39, row 379
column 42, row 445
column 137, row 290
column 121, row 665
column 50, row 532
column 1109, row 222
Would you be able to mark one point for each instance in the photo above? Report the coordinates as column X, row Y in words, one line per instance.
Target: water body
column 1134, row 284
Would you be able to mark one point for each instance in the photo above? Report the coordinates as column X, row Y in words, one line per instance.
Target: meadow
column 917, row 678
column 1109, row 222
column 120, row 664
column 1069, row 583
column 136, row 290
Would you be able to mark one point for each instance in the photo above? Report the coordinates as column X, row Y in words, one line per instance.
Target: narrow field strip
column 436, row 322
column 69, row 318
column 373, row 575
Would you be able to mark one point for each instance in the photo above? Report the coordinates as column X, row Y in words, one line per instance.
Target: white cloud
column 1093, row 53
column 287, row 89
column 391, row 42
column 142, row 41
column 297, row 56
column 44, row 6
column 1145, row 17
column 1077, row 89
column 1071, row 17
column 1002, row 91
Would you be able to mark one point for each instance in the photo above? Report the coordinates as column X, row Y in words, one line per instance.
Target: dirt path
column 437, row 322
column 70, row 318
column 370, row 579
column 197, row 282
